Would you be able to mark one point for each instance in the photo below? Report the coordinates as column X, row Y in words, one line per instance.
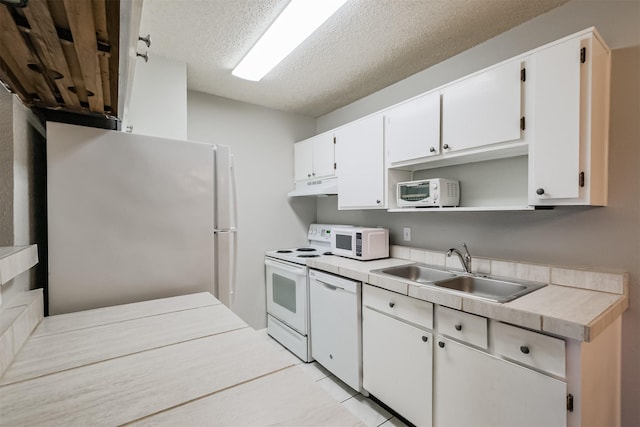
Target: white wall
column 598, row 238
column 262, row 141
column 158, row 104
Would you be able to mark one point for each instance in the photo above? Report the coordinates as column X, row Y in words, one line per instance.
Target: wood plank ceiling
column 62, row 54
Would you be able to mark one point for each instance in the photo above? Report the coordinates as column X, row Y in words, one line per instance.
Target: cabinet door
column 323, row 155
column 555, row 153
column 303, row 159
column 483, row 109
column 473, row 388
column 412, row 130
column 397, row 365
column 360, row 159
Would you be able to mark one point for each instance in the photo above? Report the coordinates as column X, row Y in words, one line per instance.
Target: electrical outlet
column 406, row 234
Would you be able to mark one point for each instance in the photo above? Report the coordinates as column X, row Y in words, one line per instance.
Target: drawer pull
column 425, row 339
column 392, row 304
column 441, row 344
column 458, row 327
column 524, row 349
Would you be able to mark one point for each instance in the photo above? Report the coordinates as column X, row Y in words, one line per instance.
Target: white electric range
column 287, row 281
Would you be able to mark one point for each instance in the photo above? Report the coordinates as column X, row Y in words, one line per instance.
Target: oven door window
column 284, row 292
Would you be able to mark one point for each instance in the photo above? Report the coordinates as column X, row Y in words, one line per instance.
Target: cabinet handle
column 425, row 339
column 458, row 327
column 433, row 150
column 445, row 146
column 540, row 191
column 314, row 174
column 308, row 175
column 377, row 202
column 524, row 349
column 441, row 344
column 392, row 304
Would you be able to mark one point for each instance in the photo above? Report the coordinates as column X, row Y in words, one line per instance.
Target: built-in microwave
column 360, row 243
column 436, row 192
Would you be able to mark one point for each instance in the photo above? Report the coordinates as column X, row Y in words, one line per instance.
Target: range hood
column 315, row 187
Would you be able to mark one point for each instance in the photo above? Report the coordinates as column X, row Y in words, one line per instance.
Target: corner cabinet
column 568, row 160
column 314, row 157
column 360, row 164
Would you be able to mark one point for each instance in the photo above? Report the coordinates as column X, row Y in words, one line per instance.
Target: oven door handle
column 296, row 270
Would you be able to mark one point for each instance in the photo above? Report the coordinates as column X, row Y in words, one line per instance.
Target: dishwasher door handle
column 332, row 286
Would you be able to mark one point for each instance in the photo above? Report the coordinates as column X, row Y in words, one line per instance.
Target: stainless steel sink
column 487, row 288
column 492, row 289
column 417, row 273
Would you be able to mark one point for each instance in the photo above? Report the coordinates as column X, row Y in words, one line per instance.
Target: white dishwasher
column 336, row 325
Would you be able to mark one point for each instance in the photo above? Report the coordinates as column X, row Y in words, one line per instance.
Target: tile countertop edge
column 531, row 319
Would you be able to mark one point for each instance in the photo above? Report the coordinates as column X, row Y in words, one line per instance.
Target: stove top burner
column 328, row 253
column 305, row 250
column 308, row 256
column 284, row 251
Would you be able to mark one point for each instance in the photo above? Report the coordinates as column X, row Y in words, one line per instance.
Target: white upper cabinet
column 483, row 109
column 360, row 164
column 314, row 157
column 412, row 129
column 569, row 155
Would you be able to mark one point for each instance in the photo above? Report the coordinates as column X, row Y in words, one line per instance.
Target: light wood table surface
column 177, row 361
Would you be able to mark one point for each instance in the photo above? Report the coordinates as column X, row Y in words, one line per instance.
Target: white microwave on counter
column 360, row 243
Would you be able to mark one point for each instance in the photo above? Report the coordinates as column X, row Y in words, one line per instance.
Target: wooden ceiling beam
column 44, row 36
column 83, row 29
column 11, row 38
column 112, row 8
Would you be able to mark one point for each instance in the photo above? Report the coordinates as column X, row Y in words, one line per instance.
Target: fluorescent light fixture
column 296, row 22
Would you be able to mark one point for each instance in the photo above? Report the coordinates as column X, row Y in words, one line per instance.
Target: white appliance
column 133, row 217
column 360, row 243
column 433, row 192
column 287, row 281
column 336, row 325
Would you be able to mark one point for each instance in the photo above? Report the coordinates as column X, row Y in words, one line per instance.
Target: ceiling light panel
column 296, row 22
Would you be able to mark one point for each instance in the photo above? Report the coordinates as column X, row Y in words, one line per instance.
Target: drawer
column 462, row 326
column 401, row 306
column 530, row 348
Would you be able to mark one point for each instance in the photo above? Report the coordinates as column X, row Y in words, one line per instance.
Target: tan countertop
column 575, row 309
column 177, row 361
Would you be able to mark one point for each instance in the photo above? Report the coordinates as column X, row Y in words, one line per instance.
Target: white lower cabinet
column 474, row 388
column 397, row 365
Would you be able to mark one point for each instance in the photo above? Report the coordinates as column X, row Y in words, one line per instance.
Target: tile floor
column 367, row 410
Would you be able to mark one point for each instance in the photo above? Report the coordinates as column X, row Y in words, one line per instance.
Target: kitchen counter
column 182, row 361
column 576, row 304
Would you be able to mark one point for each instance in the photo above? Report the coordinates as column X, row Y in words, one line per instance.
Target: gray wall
column 261, row 140
column 597, row 238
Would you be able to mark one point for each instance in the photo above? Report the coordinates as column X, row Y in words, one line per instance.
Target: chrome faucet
column 464, row 259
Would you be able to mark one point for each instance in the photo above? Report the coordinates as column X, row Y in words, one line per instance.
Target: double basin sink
column 482, row 287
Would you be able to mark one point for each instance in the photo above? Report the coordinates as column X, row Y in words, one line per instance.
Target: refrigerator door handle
column 233, row 196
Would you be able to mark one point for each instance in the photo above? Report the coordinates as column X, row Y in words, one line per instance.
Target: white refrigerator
column 133, row 218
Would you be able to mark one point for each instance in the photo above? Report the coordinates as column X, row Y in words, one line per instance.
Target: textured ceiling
column 366, row 46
